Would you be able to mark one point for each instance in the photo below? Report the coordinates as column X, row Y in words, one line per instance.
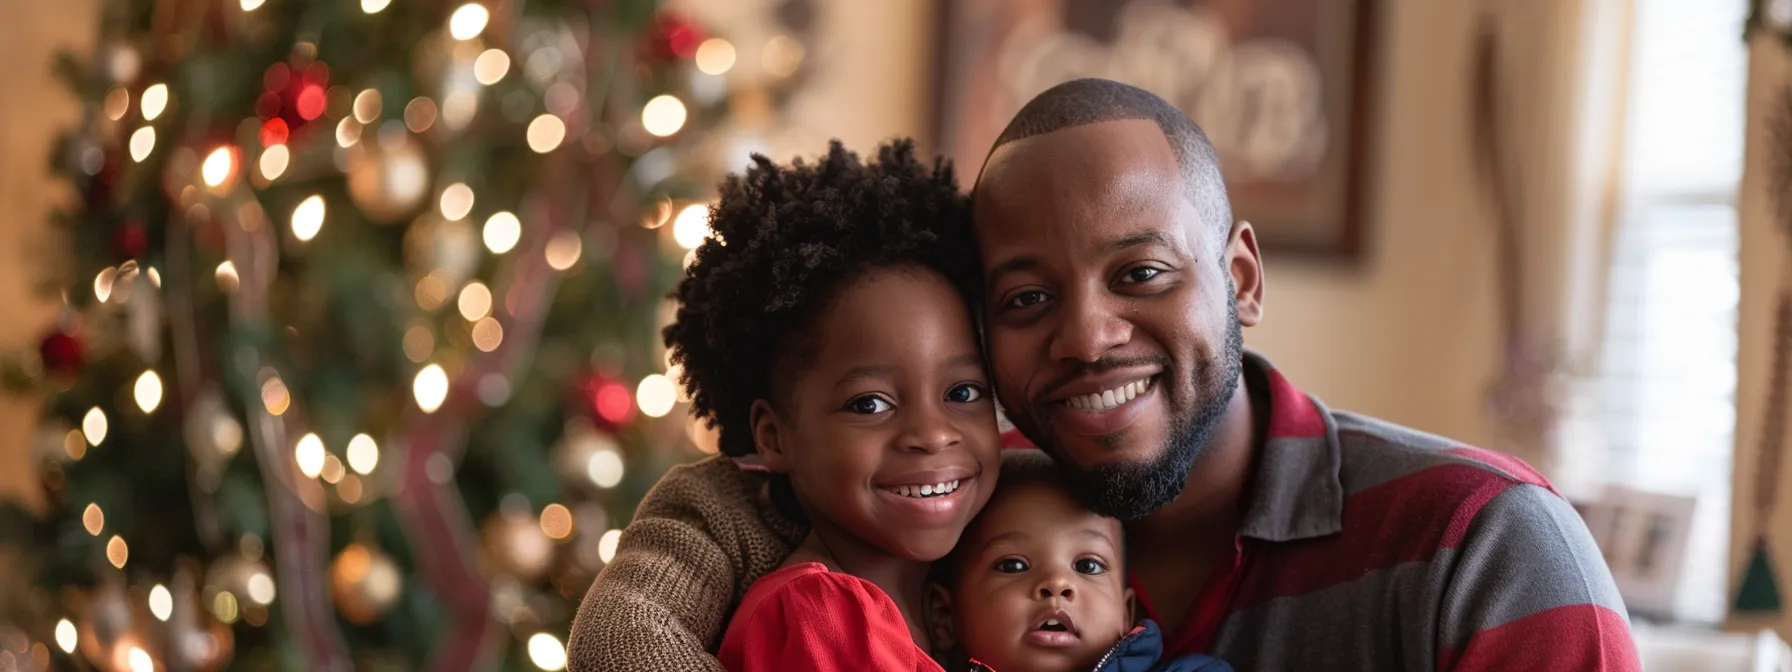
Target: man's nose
column 1089, row 328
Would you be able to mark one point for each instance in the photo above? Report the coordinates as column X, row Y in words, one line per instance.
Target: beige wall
column 32, row 110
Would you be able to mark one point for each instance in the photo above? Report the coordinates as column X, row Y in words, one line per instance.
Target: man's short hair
column 1088, row 101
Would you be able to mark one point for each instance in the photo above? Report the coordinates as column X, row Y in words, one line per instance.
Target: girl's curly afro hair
column 786, row 240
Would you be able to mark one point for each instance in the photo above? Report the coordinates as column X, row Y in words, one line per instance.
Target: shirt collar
column 1296, row 493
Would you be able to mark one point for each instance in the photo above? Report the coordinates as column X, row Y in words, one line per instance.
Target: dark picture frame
column 1283, row 87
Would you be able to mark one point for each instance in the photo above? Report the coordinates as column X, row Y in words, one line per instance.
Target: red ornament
column 62, row 353
column 610, row 402
column 130, row 240
column 674, row 36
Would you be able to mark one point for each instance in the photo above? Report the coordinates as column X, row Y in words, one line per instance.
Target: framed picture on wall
column 1280, row 86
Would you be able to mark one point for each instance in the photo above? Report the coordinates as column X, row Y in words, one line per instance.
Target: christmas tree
column 359, row 363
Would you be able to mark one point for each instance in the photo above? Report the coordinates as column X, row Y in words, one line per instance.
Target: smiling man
column 1262, row 527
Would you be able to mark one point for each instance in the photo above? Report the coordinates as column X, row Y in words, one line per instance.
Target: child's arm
column 701, row 536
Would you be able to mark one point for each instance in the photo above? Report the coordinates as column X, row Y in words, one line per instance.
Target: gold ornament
column 448, row 249
column 213, row 436
column 110, row 629
column 515, row 545
column 388, row 178
column 580, row 444
column 240, row 585
column 364, row 582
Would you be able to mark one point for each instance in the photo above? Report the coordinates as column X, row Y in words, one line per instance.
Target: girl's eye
column 1011, row 565
column 869, row 405
column 965, row 393
column 1089, row 566
column 1026, row 299
column 1142, row 274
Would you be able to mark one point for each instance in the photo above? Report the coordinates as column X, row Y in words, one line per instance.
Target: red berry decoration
column 674, row 36
column 130, row 240
column 62, row 353
column 611, row 403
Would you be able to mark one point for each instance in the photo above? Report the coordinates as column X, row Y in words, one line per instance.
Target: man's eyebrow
column 1135, row 239
column 1015, row 265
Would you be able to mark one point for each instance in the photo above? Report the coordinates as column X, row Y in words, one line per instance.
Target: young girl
column 824, row 329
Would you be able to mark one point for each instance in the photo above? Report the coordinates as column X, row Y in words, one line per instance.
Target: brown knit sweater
column 705, row 533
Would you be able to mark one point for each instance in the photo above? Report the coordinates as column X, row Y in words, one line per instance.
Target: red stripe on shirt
column 1380, row 532
column 1574, row 638
column 1513, row 466
column 1291, row 414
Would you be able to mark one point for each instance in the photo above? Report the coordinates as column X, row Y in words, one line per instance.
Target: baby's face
column 1041, row 587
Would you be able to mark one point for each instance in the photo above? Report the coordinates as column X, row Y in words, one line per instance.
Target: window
column 1669, row 371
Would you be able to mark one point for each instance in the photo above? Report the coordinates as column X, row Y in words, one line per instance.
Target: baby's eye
column 1089, row 566
column 965, row 393
column 868, row 405
column 1011, row 565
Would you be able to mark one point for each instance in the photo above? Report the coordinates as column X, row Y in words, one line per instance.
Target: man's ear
column 767, row 436
column 937, row 617
column 1245, row 264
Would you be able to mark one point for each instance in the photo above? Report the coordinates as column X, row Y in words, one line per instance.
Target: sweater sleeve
column 821, row 621
column 699, row 538
column 1529, row 590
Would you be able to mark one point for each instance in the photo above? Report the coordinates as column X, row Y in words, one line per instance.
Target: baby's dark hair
column 787, row 239
column 1021, row 468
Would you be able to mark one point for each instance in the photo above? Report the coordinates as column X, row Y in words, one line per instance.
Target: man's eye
column 1011, row 565
column 868, row 405
column 1142, row 274
column 1026, row 299
column 965, row 393
column 1089, row 566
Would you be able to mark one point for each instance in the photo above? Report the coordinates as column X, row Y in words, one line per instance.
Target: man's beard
column 1130, row 491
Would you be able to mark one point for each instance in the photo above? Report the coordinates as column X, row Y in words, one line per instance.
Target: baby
column 1038, row 584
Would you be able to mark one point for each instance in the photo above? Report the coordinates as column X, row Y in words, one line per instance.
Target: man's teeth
column 1108, row 400
column 931, row 490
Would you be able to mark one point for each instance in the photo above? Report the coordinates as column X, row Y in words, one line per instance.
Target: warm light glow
column 93, row 519
column 502, row 231
column 118, row 102
column 261, row 588
column 374, row 6
column 488, row 334
column 606, row 545
column 140, row 660
column 691, row 226
column 161, row 603
column 430, row 388
column 782, row 56
column 363, row 454
column 94, row 426
column 142, row 142
column 367, row 106
column 458, row 109
column 117, row 552
column 468, row 21
column 419, row 343
column 491, row 66
column 475, row 301
column 563, row 250
column 75, row 444
column 457, row 201
column 656, row 395
column 227, row 277
column 148, row 391
column 155, row 99
column 250, row 6
column 663, row 115
column 348, row 132
column 333, row 470
column 65, row 636
column 349, row 489
column 546, row 132
column 154, row 277
column 102, row 283
column 224, row 606
column 273, row 161
column 274, row 395
column 216, row 168
column 419, row 114
column 308, row 218
column 604, row 468
column 715, row 56
column 556, row 521
column 310, row 455
column 546, row 652
column 431, row 292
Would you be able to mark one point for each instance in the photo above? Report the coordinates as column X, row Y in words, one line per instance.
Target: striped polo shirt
column 1369, row 546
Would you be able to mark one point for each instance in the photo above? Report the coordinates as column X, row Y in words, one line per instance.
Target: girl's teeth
column 928, row 490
